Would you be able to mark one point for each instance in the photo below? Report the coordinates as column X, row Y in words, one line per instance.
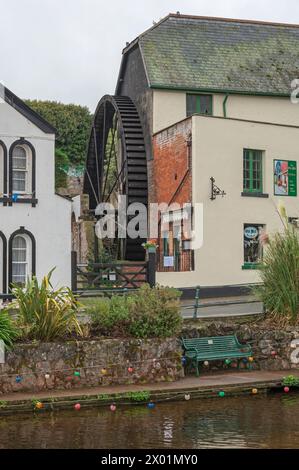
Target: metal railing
column 199, row 308
column 196, row 309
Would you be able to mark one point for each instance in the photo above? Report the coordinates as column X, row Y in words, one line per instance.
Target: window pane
column 165, row 238
column 252, row 247
column 191, row 104
column 199, row 104
column 252, row 170
column 19, row 242
column 19, row 256
column 206, row 104
column 18, row 180
column 19, row 158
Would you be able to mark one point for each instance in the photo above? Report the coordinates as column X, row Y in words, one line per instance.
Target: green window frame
column 199, row 104
column 252, row 246
column 252, row 171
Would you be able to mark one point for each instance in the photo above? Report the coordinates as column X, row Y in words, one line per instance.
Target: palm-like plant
column 45, row 313
column 8, row 330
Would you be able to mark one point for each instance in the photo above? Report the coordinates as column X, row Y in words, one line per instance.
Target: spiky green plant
column 8, row 330
column 279, row 274
column 45, row 313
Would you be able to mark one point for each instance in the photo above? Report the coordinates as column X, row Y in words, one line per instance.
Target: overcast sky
column 70, row 50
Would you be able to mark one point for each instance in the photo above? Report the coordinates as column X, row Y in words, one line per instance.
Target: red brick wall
column 170, row 164
column 170, row 178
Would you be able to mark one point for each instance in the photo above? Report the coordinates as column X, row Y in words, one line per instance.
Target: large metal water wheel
column 116, row 165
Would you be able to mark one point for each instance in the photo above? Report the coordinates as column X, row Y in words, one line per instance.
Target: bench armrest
column 186, row 348
column 243, row 346
column 190, row 349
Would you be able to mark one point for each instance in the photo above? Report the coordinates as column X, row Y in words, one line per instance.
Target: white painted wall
column 169, row 107
column 217, row 150
column 50, row 220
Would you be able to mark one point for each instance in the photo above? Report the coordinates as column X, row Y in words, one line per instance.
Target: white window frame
column 26, row 171
column 1, row 171
column 21, row 262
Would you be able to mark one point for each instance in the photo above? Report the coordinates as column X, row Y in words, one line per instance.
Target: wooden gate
column 112, row 276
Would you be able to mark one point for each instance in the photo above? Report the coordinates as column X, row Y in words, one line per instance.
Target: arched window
column 21, row 257
column 19, row 170
column 21, row 181
column 3, row 169
column 3, row 263
column 19, row 260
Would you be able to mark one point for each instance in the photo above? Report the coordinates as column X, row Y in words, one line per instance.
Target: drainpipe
column 224, row 105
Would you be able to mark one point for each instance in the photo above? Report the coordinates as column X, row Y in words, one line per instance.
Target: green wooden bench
column 214, row 348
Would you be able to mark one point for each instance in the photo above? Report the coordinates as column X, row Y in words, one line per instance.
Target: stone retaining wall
column 274, row 348
column 68, row 365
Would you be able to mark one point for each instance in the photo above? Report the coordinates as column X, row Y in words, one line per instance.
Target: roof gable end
column 19, row 105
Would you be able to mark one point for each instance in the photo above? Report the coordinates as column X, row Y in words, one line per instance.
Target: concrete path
column 222, row 307
column 217, row 380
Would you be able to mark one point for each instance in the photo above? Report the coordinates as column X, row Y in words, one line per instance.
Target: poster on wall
column 285, row 178
column 168, row 261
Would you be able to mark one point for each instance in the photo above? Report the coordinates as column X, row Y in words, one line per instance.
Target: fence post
column 151, row 267
column 74, row 271
column 196, row 302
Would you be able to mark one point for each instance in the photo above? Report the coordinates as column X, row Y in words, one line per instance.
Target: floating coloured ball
column 254, row 391
column 130, row 370
column 77, row 373
column 286, row 389
column 187, row 397
column 39, row 405
column 47, row 376
column 113, row 407
column 151, row 405
column 18, row 379
column 228, row 362
column 221, row 394
column 104, row 371
column 206, row 363
column 250, row 359
column 77, row 406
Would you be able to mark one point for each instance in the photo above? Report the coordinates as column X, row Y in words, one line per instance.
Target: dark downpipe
column 74, row 271
column 151, row 269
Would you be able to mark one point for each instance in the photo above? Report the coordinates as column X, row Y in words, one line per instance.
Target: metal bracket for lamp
column 215, row 191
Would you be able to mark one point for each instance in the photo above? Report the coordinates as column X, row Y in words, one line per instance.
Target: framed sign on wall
column 285, row 178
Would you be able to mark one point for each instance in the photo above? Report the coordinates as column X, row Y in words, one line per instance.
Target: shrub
column 155, row 312
column 150, row 312
column 110, row 316
column 44, row 313
column 280, row 276
column 8, row 330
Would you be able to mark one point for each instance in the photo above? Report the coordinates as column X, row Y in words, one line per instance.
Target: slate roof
column 199, row 53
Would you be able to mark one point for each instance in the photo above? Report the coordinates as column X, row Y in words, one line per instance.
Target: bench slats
column 215, row 347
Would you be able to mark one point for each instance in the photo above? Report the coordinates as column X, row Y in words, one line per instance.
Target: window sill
column 248, row 194
column 247, row 266
column 20, row 200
